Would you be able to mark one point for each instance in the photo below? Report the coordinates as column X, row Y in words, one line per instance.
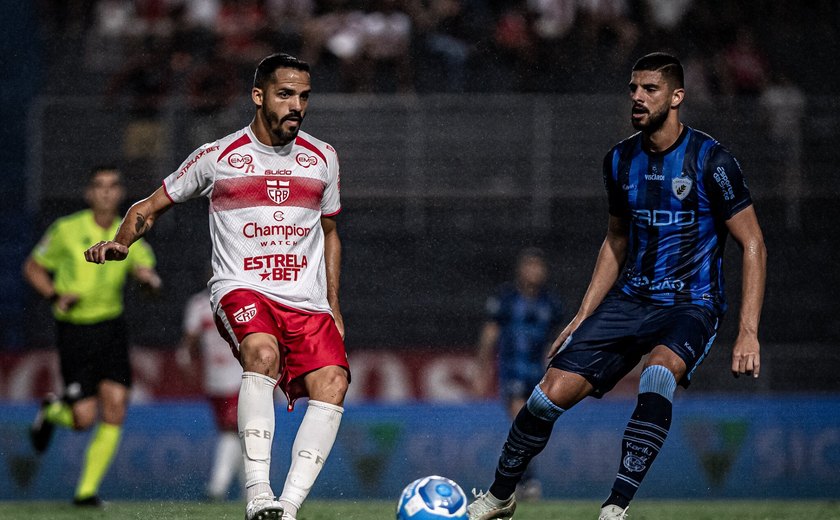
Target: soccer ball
column 432, row 498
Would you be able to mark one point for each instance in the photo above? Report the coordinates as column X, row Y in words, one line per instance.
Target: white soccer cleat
column 264, row 507
column 287, row 516
column 488, row 507
column 612, row 512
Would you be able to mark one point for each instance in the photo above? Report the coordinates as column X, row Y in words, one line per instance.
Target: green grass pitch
column 372, row 510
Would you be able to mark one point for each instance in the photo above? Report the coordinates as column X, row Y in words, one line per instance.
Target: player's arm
column 607, row 268
column 41, row 280
column 744, row 228
column 137, row 222
column 487, row 341
column 332, row 259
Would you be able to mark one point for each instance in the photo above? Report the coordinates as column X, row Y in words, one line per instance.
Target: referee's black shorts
column 90, row 354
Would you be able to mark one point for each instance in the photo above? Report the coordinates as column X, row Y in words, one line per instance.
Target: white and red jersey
column 222, row 372
column 266, row 205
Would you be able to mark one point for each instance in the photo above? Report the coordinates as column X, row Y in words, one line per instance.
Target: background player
column 657, row 289
column 274, row 193
column 522, row 317
column 221, row 375
column 91, row 337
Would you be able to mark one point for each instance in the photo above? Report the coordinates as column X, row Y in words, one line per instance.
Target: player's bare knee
column 328, row 384
column 261, row 358
column 564, row 389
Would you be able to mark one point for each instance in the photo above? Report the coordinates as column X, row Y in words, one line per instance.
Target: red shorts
column 307, row 341
column 225, row 411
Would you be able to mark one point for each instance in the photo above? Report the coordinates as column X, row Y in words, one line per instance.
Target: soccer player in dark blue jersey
column 675, row 194
column 523, row 317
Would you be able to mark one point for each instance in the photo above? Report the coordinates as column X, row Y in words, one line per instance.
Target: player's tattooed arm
column 137, row 222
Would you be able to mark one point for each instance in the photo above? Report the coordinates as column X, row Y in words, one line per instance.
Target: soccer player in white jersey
column 274, row 193
column 202, row 348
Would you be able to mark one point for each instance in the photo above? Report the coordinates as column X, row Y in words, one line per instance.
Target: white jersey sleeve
column 194, row 178
column 331, row 201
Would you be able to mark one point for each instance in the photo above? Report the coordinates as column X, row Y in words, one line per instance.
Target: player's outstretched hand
column 101, row 252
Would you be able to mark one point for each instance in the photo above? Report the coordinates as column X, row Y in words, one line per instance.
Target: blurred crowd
column 144, row 46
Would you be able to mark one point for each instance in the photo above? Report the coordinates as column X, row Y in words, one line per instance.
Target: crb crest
column 681, row 186
column 277, row 190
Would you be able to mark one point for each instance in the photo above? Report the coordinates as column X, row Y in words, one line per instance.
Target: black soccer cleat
column 91, row 501
column 41, row 430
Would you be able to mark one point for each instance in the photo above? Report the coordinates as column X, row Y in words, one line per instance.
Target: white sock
column 256, row 430
column 226, row 463
column 312, row 445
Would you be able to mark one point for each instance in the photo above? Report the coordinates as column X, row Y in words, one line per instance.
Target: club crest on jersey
column 277, row 190
column 245, row 314
column 681, row 186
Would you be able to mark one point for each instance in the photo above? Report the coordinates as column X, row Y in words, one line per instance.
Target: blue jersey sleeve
column 725, row 183
column 617, row 203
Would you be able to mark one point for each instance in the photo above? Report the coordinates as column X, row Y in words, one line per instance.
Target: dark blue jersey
column 526, row 327
column 676, row 203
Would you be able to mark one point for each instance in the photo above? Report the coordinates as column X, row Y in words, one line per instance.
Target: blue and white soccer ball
column 432, row 498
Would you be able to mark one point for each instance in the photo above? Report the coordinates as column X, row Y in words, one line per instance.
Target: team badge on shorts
column 681, row 186
column 245, row 314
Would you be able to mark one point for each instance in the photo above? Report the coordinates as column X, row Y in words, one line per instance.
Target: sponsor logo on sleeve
column 723, row 181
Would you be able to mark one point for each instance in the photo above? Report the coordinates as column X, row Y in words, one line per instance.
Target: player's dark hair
column 276, row 61
column 669, row 66
column 102, row 168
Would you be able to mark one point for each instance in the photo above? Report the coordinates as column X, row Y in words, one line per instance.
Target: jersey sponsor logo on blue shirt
column 665, row 217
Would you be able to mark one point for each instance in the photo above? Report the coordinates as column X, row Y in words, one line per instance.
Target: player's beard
column 275, row 126
column 655, row 120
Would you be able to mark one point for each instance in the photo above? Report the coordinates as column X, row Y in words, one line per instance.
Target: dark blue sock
column 527, row 437
column 643, row 438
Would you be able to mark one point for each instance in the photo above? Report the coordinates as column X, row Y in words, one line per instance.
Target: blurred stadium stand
column 440, row 191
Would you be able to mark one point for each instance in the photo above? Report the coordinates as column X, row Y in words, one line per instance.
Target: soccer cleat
column 91, row 501
column 264, row 507
column 484, row 508
column 41, row 430
column 612, row 512
column 287, row 516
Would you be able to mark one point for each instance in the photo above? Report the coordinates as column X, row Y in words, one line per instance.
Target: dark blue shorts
column 611, row 342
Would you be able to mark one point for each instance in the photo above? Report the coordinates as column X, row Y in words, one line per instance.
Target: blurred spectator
column 143, row 84
column 106, row 43
column 553, row 19
column 608, row 30
column 243, row 28
column 666, row 17
column 212, row 86
column 783, row 107
column 364, row 42
column 448, row 32
column 744, row 67
column 516, row 44
column 287, row 18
